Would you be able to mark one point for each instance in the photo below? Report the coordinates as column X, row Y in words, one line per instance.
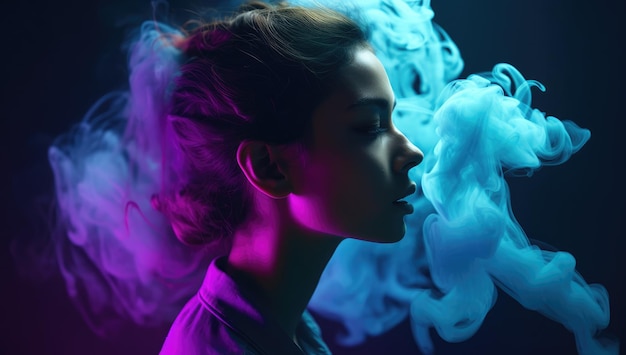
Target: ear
column 263, row 166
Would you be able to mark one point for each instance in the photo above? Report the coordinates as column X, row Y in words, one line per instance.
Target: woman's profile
column 283, row 116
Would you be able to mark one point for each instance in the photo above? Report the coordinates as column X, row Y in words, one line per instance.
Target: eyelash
column 373, row 130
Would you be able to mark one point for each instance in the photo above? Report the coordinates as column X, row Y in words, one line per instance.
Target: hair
column 257, row 75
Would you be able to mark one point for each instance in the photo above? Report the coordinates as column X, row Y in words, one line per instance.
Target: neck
column 284, row 264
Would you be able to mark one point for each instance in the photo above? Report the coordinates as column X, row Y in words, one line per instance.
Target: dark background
column 59, row 57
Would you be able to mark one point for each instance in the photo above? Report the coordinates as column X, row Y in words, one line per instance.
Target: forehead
column 364, row 78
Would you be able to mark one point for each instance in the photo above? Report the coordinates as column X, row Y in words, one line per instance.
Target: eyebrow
column 372, row 101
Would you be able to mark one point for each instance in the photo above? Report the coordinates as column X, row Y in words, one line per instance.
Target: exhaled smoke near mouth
column 120, row 259
column 473, row 241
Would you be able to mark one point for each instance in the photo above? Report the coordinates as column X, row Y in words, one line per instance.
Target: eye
column 373, row 129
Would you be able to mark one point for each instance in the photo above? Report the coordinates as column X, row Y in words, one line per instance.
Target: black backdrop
column 58, row 57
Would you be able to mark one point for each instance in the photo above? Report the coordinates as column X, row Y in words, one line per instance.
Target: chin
column 390, row 235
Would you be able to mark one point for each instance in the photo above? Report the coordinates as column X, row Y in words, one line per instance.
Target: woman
column 283, row 117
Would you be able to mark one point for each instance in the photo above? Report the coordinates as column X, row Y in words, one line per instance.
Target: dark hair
column 257, row 75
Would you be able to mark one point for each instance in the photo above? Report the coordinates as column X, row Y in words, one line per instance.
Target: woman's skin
column 343, row 185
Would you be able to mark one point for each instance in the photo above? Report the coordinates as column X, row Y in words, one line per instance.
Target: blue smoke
column 463, row 239
column 473, row 242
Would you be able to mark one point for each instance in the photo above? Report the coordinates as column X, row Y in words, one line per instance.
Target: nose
column 408, row 155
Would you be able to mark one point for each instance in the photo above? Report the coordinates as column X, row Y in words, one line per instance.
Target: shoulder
column 197, row 331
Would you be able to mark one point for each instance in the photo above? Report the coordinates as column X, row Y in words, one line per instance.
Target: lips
column 408, row 192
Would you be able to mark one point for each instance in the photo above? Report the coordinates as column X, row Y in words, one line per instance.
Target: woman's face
column 358, row 162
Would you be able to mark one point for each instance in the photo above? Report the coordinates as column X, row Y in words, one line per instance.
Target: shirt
column 222, row 319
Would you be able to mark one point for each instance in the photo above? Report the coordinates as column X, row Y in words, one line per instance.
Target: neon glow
column 462, row 243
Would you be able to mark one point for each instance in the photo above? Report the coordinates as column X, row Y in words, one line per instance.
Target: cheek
column 343, row 195
column 327, row 195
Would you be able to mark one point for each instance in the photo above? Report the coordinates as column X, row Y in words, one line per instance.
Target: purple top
column 222, row 318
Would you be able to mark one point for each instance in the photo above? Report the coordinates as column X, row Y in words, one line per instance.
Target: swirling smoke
column 120, row 258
